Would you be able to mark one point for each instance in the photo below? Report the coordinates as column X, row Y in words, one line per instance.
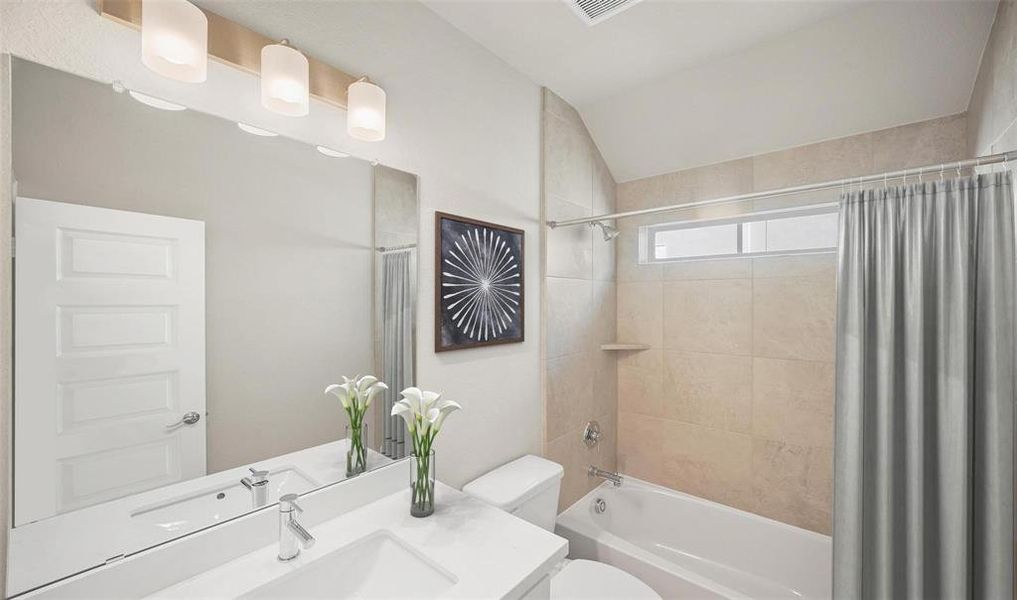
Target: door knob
column 189, row 418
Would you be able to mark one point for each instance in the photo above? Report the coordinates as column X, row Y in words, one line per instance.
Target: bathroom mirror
column 185, row 290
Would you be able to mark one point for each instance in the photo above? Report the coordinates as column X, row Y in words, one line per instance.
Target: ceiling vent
column 597, row 11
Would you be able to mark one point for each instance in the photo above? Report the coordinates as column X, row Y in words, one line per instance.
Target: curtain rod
column 981, row 161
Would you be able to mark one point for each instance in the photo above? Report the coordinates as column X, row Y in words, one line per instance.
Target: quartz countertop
column 491, row 554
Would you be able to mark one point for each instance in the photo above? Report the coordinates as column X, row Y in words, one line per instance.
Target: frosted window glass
column 697, row 241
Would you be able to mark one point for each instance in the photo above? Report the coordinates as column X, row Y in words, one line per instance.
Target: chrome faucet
column 292, row 535
column 614, row 478
column 258, row 484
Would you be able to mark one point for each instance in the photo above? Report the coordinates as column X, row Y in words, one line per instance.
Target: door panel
column 110, row 352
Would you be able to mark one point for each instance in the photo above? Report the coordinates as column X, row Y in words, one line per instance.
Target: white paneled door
column 109, row 354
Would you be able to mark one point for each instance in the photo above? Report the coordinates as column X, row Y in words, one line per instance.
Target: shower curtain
column 924, row 484
column 397, row 344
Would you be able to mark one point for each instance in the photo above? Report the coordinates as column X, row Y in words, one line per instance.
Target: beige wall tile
column 641, row 193
column 814, row 265
column 709, row 463
column 569, row 250
column 708, row 389
column 640, row 312
column 640, row 445
column 603, row 203
column 554, row 105
column 834, row 159
column 792, row 401
column 640, row 391
column 708, row 316
column 568, row 315
column 568, row 170
column 604, row 320
column 574, row 456
column 626, row 247
column 920, row 144
column 734, row 268
column 607, row 448
column 793, row 484
column 569, row 394
column 793, row 318
column 646, row 360
column 604, row 395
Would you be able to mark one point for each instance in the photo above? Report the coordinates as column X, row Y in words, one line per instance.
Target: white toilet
column 528, row 488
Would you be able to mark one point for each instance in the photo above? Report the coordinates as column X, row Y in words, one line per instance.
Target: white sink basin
column 207, row 507
column 376, row 567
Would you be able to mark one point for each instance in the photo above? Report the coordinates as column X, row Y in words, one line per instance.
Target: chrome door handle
column 189, row 418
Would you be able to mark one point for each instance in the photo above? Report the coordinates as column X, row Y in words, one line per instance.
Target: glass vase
column 356, row 456
column 422, row 485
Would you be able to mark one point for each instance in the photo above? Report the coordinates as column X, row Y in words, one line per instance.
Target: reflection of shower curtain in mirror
column 397, row 305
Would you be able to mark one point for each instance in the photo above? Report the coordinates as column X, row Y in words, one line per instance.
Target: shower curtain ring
column 941, row 167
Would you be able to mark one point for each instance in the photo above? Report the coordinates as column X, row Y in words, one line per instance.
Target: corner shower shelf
column 624, row 347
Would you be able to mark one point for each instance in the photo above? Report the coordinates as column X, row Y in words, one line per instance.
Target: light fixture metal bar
column 237, row 46
column 936, row 169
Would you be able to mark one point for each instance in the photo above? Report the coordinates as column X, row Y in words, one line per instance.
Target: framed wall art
column 478, row 289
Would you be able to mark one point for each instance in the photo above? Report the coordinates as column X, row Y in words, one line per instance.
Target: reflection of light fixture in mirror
column 365, row 111
column 608, row 231
column 174, row 39
column 332, row 153
column 284, row 80
column 155, row 102
column 256, row 130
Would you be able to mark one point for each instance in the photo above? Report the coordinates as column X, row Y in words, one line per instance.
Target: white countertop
column 490, row 553
column 52, row 548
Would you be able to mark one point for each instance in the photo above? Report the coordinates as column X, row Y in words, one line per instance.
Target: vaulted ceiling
column 667, row 84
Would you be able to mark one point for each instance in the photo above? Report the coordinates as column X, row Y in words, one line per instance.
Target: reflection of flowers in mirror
column 355, row 395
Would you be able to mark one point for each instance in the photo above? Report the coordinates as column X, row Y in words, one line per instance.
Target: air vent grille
column 597, row 11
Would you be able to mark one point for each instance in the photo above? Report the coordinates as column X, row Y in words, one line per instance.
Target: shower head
column 608, row 231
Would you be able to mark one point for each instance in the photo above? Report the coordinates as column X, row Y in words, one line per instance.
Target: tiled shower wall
column 579, row 379
column 734, row 400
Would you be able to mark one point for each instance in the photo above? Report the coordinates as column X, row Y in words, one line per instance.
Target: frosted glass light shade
column 284, row 80
column 365, row 111
column 174, row 39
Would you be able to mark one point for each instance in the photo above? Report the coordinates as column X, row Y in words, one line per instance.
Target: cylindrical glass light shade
column 284, row 80
column 174, row 39
column 365, row 111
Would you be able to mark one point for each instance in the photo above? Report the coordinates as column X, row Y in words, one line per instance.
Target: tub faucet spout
column 614, row 478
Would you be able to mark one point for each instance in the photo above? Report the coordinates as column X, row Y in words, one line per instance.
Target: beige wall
column 579, row 379
column 993, row 108
column 734, row 402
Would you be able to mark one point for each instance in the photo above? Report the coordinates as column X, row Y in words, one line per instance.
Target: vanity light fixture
column 155, row 102
column 174, row 39
column 256, row 130
column 332, row 153
column 285, row 80
column 365, row 111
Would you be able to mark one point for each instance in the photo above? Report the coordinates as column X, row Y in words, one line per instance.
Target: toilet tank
column 526, row 487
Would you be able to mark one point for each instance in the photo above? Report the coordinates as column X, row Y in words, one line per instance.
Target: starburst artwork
column 478, row 283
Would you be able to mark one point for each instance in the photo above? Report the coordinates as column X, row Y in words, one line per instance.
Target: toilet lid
column 584, row 579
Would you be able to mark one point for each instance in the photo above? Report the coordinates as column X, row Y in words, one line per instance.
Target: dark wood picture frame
column 441, row 333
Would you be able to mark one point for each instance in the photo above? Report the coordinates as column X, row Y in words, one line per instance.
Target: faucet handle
column 288, row 503
column 257, row 475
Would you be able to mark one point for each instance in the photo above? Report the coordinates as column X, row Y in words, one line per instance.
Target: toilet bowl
column 528, row 488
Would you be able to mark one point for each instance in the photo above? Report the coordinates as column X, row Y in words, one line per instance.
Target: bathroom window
column 804, row 230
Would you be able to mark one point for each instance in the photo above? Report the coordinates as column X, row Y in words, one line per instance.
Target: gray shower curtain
column 397, row 344
column 924, row 483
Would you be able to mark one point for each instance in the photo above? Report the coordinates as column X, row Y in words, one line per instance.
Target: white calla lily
column 425, row 413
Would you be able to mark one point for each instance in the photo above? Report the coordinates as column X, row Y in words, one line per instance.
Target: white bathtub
column 686, row 547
